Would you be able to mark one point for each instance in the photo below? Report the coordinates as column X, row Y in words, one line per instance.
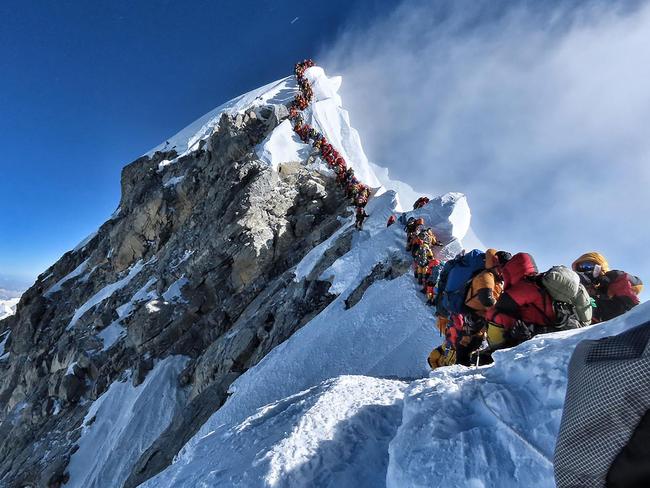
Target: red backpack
column 522, row 298
column 622, row 285
column 520, row 265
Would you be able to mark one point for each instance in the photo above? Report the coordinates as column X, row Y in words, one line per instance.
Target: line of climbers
column 489, row 300
column 357, row 192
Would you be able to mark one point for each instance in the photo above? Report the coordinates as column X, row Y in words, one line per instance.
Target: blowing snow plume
column 538, row 113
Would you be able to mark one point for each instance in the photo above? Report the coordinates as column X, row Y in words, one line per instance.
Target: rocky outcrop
column 197, row 261
column 395, row 268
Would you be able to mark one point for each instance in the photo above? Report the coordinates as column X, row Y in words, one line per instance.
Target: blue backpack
column 459, row 274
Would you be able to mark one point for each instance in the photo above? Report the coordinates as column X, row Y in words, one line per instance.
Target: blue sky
column 87, row 87
column 538, row 111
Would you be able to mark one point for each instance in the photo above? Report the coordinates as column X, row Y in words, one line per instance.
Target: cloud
column 539, row 114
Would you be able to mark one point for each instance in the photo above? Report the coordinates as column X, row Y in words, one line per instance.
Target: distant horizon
column 16, row 282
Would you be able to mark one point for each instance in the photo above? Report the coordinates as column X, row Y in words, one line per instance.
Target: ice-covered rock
column 123, row 422
column 8, row 307
column 277, row 93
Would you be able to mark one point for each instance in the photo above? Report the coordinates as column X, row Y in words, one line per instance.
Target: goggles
column 585, row 267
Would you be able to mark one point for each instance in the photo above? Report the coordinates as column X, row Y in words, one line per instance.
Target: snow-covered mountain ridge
column 8, row 307
column 195, row 262
column 228, row 327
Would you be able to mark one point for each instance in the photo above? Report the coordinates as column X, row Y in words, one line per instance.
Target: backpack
column 442, row 284
column 623, row 284
column 430, row 237
column 520, row 266
column 464, row 268
column 563, row 284
column 482, row 286
column 582, row 305
column 566, row 318
column 422, row 256
column 436, row 270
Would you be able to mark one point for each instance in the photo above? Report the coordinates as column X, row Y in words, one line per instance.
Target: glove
column 519, row 333
column 474, row 324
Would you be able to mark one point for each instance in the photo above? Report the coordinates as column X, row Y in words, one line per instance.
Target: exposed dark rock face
column 197, row 262
column 382, row 271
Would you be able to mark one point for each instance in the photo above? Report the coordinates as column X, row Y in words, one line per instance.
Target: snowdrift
column 499, row 422
column 478, row 427
column 333, row 434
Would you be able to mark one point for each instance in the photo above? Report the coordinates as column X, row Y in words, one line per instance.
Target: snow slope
column 278, row 92
column 123, row 423
column 333, row 434
column 8, row 307
column 327, row 115
column 349, row 400
column 478, row 427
